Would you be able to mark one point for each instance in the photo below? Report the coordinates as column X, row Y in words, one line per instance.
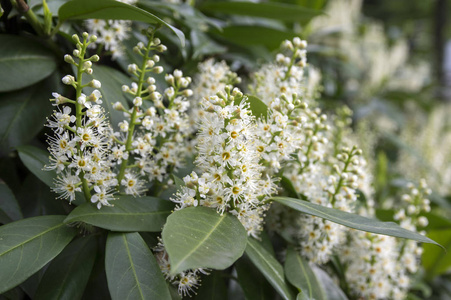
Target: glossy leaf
column 127, row 214
column 35, row 159
column 112, row 81
column 132, row 270
column 110, row 10
column 23, row 62
column 199, row 237
column 270, row 10
column 299, row 274
column 24, row 113
column 245, row 35
column 436, row 261
column 352, row 220
column 27, row 245
column 269, row 267
column 9, row 207
column 67, row 275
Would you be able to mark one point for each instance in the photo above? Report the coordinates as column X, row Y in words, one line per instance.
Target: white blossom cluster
column 90, row 158
column 81, row 144
column 155, row 130
column 110, row 33
column 378, row 266
column 231, row 177
column 298, row 142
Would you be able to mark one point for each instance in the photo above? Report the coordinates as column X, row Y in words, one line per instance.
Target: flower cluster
column 378, row 266
column 152, row 137
column 110, row 33
column 231, row 177
column 80, row 147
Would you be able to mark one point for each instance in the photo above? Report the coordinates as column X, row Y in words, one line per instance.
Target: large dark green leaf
column 24, row 113
column 35, row 159
column 213, row 287
column 127, row 214
column 111, row 10
column 68, row 274
column 199, row 237
column 269, row 267
column 300, row 275
column 255, row 35
column 23, row 62
column 132, row 271
column 27, row 245
column 112, row 81
column 252, row 282
column 270, row 10
column 352, row 220
column 436, row 261
column 9, row 208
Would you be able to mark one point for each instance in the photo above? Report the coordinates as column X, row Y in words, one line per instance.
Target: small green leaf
column 111, row 10
column 436, row 261
column 270, row 10
column 27, row 245
column 132, row 270
column 258, row 107
column 112, row 81
column 256, row 35
column 35, row 159
column 127, row 214
column 300, row 275
column 199, row 237
column 352, row 220
column 179, row 183
column 8, row 205
column 68, row 274
column 269, row 267
column 23, row 62
column 213, row 287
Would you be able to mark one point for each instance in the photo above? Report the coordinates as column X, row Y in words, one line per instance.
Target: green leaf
column 112, row 81
column 436, row 261
column 269, row 267
column 352, row 220
column 35, row 159
column 111, row 10
column 258, row 107
column 23, row 62
column 199, row 237
column 300, row 275
column 303, row 296
column 255, row 35
column 27, row 245
column 132, row 270
column 24, row 113
column 127, row 214
column 213, row 287
column 8, row 205
column 252, row 282
column 179, row 183
column 68, row 274
column 270, row 10
column 330, row 288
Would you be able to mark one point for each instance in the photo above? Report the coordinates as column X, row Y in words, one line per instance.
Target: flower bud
column 94, row 58
column 138, row 101
column 75, row 38
column 132, row 68
column 68, row 79
column 161, row 48
column 187, row 93
column 157, row 70
column 68, row 58
column 118, row 106
column 169, row 79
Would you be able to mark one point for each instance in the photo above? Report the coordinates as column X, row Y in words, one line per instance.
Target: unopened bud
column 95, row 84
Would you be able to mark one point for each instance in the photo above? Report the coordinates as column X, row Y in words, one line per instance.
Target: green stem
column 340, row 182
column 131, row 128
column 79, row 113
column 25, row 10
